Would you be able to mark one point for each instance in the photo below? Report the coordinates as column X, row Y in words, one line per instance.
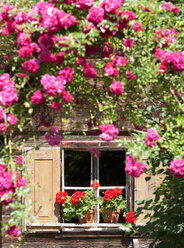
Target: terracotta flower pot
column 88, row 218
column 113, row 217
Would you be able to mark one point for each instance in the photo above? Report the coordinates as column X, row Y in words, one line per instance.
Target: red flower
column 76, row 196
column 61, row 197
column 95, row 186
column 113, row 193
column 131, row 217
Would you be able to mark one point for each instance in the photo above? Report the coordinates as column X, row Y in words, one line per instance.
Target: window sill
column 69, row 227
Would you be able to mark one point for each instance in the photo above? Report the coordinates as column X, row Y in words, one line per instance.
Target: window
column 80, row 169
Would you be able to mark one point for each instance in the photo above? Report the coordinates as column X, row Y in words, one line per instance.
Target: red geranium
column 112, row 193
column 95, row 185
column 61, row 197
column 131, row 217
column 76, row 196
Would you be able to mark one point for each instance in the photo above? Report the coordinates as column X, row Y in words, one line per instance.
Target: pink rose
column 60, row 58
column 12, row 120
column 130, row 76
column 111, row 70
column 108, row 132
column 177, row 167
column 37, row 97
column 128, row 43
column 117, row 88
column 84, row 4
column 31, row 65
column 137, row 27
column 56, row 105
column 67, row 74
column 14, row 231
column 67, row 96
column 53, row 85
column 96, row 15
column 89, row 71
column 21, row 182
column 134, row 168
column 23, row 39
column 3, row 128
column 19, row 160
column 151, row 136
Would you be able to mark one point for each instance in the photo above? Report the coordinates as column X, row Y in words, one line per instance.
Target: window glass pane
column 111, row 168
column 77, row 165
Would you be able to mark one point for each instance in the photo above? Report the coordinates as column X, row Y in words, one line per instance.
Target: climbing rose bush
column 121, row 61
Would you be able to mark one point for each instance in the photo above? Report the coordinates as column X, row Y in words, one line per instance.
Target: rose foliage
column 119, row 60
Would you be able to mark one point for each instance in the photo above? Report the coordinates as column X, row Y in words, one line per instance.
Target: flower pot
column 113, row 217
column 88, row 218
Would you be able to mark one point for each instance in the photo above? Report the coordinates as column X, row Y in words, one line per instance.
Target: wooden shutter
column 144, row 189
column 44, row 168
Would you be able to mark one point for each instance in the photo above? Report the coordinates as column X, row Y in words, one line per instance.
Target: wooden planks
column 44, row 169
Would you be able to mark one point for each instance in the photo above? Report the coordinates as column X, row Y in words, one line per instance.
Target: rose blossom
column 129, row 14
column 177, row 167
column 25, row 52
column 117, row 88
column 12, row 120
column 19, row 160
column 31, row 65
column 89, row 71
column 81, row 60
column 120, row 61
column 128, row 43
column 53, row 85
column 56, row 105
column 60, row 58
column 111, row 6
column 130, row 76
column 47, row 57
column 67, row 96
column 14, row 231
column 37, row 97
column 137, row 27
column 67, row 74
column 23, row 39
column 111, row 70
column 84, row 4
column 96, row 15
column 8, row 94
column 21, row 182
column 3, row 128
column 134, row 168
column 47, row 42
column 108, row 132
column 151, row 136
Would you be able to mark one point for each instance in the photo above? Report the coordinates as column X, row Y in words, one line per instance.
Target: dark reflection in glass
column 77, row 168
column 111, row 168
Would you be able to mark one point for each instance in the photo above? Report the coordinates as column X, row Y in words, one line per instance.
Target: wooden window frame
column 95, row 176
